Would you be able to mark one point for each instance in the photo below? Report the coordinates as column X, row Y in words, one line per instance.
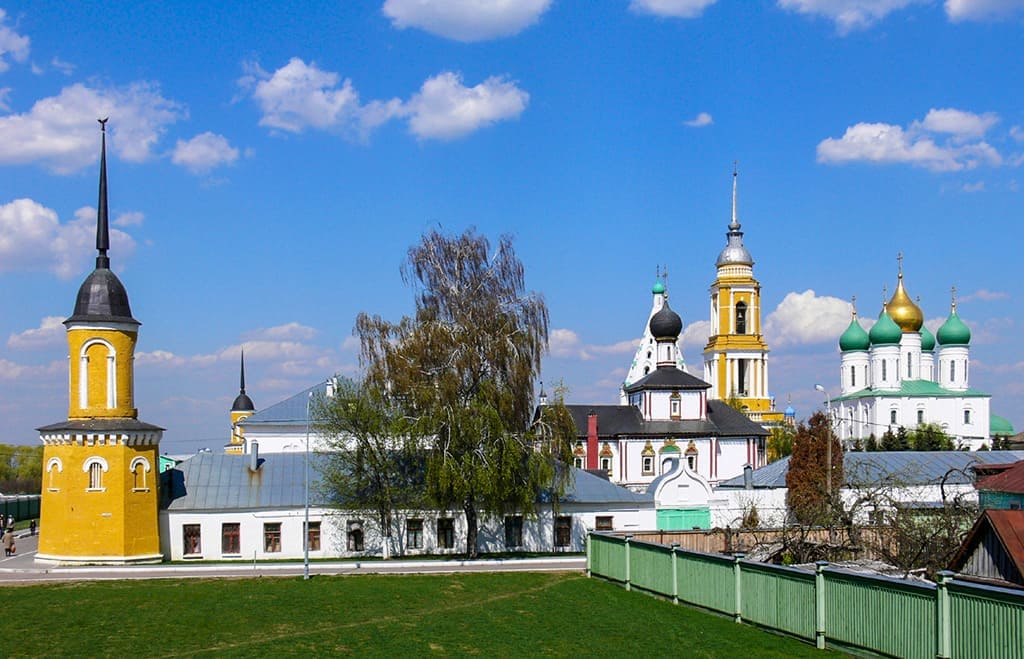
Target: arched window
column 139, row 468
column 53, row 467
column 741, row 317
column 853, row 376
column 95, row 467
column 97, row 363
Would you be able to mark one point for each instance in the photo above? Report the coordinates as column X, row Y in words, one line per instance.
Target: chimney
column 591, row 439
column 254, row 455
column 748, row 477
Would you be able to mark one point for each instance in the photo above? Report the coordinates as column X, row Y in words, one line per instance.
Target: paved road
column 22, row 568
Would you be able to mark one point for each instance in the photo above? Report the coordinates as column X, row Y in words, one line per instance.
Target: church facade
column 901, row 375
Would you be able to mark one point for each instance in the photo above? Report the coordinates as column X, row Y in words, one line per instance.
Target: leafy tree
column 872, row 443
column 808, row 496
column 780, row 443
column 21, row 469
column 462, row 370
column 930, row 437
column 374, row 460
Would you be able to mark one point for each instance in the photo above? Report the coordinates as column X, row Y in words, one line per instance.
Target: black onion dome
column 666, row 324
column 243, row 403
column 102, row 297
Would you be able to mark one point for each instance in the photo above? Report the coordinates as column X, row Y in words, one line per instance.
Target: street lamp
column 828, row 441
column 305, row 561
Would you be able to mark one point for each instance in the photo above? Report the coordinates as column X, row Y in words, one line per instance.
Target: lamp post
column 305, row 560
column 828, row 441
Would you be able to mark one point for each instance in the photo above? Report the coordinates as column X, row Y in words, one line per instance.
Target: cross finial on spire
column 952, row 292
column 664, row 278
column 853, row 301
column 899, row 263
column 885, row 295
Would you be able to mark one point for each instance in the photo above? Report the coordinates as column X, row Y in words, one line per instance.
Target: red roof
column 1007, row 525
column 1010, row 480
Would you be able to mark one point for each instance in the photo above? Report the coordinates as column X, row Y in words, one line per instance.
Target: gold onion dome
column 903, row 311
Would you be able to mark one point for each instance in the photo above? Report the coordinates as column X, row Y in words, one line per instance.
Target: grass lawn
column 522, row 614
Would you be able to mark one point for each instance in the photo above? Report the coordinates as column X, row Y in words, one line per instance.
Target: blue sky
column 270, row 166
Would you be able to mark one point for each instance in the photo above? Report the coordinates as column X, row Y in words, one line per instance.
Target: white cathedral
column 891, row 377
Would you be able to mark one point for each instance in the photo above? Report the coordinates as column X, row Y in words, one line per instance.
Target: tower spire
column 735, row 224
column 241, row 381
column 102, row 225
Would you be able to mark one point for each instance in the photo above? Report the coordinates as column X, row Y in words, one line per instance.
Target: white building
column 892, row 377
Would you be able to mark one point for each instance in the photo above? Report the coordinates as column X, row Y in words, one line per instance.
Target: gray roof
column 112, row 424
column 670, row 378
column 219, row 481
column 907, row 467
column 627, row 421
column 288, row 412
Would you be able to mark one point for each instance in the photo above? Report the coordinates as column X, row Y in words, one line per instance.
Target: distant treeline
column 21, row 469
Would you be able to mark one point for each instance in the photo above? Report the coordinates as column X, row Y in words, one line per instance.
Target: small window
column 230, row 538
column 853, row 376
column 691, row 462
column 603, row 523
column 920, row 417
column 414, row 533
column 952, row 370
column 446, row 533
column 313, row 536
column 513, row 531
column 95, row 476
column 53, row 467
column 140, row 467
column 741, row 318
column 272, row 537
column 884, row 378
column 967, row 417
column 648, row 465
column 191, row 540
column 355, row 536
column 563, row 531
column 892, row 416
column 578, row 462
column 606, row 465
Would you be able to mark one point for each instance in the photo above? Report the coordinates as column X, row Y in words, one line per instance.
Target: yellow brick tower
column 99, row 502
column 736, row 356
column 241, row 409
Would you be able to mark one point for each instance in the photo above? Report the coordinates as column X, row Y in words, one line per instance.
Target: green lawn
column 479, row 614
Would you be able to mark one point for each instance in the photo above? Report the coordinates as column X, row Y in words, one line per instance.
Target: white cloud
column 696, row 334
column 977, row 186
column 292, row 330
column 299, row 96
column 466, row 20
column 11, row 43
column 446, row 109
column 1017, row 133
column 33, row 239
column 566, row 343
column 848, row 15
column 5, row 96
column 129, row 219
column 60, row 132
column 803, row 318
column 14, row 372
column 980, row 10
column 351, row 344
column 701, row 120
column 919, row 145
column 985, row 295
column 204, row 152
column 960, row 124
column 67, row 68
column 671, row 8
column 49, row 333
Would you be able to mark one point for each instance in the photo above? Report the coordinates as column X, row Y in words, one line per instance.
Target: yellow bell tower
column 736, row 355
column 99, row 500
column 241, row 409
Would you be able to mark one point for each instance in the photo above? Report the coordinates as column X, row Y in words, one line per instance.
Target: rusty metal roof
column 1008, row 480
column 1007, row 527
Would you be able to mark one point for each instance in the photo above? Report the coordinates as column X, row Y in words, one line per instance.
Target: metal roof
column 1011, row 480
column 910, row 467
column 627, row 421
column 670, row 378
column 1007, row 527
column 288, row 412
column 919, row 388
column 219, row 481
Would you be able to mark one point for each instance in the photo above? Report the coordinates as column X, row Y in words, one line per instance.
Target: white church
column 899, row 375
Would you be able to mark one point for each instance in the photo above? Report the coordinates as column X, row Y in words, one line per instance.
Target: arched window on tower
column 97, row 376
column 53, row 467
column 140, row 467
column 94, row 467
column 741, row 317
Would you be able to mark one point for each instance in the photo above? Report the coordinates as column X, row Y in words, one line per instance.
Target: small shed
column 993, row 551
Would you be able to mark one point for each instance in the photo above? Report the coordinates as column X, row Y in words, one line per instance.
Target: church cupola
column 241, row 409
column 885, row 331
column 734, row 253
column 954, row 354
column 854, row 338
column 907, row 315
column 242, row 402
column 665, row 326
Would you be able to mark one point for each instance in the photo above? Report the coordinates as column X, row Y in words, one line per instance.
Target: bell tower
column 99, row 499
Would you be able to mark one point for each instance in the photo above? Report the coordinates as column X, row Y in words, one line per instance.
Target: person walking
column 32, row 527
column 8, row 542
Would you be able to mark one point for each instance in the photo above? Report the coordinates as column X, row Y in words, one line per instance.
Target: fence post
column 738, row 574
column 943, row 626
column 590, row 537
column 675, row 573
column 819, row 604
column 628, row 538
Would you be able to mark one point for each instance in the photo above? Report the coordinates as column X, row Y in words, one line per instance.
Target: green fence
column 20, row 507
column 876, row 614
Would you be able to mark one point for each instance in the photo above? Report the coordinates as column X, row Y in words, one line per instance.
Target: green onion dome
column 885, row 331
column 659, row 288
column 854, row 338
column 954, row 332
column 999, row 426
column 927, row 339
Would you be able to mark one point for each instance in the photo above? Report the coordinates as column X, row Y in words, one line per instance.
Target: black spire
column 102, row 226
column 241, row 383
column 242, row 402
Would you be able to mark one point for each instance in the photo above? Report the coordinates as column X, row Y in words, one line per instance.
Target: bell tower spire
column 102, row 224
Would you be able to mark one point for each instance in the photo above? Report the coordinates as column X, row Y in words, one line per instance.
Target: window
column 53, row 467
column 446, row 533
column 741, row 317
column 606, row 464
column 853, row 376
column 578, row 462
column 648, row 465
column 563, row 531
column 691, row 461
column 313, row 536
column 920, row 417
column 674, row 405
column 139, row 467
column 191, row 540
column 603, row 523
column 967, row 417
column 741, row 377
column 414, row 533
column 892, row 416
column 884, row 378
column 272, row 537
column 230, row 538
column 95, row 476
column 355, row 536
column 952, row 370
column 513, row 531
